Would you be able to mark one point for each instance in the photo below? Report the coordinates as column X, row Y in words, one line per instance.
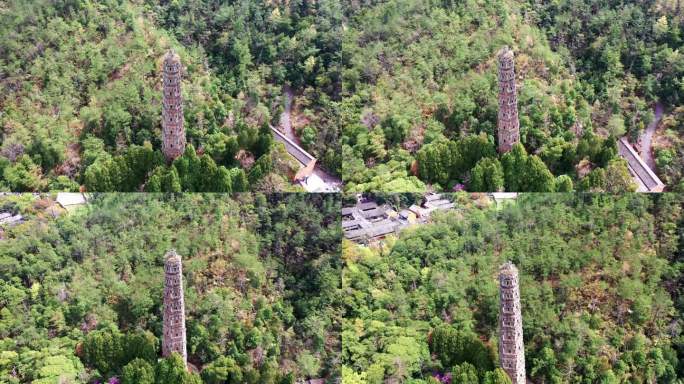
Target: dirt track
column 646, row 139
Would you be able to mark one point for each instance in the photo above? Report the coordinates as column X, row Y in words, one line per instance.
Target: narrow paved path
column 285, row 119
column 332, row 182
column 646, row 139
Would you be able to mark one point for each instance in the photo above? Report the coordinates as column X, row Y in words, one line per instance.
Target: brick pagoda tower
column 508, row 126
column 174, row 307
column 173, row 132
column 511, row 349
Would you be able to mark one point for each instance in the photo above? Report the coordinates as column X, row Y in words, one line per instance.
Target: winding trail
column 285, row 117
column 641, row 165
column 331, row 183
column 646, row 139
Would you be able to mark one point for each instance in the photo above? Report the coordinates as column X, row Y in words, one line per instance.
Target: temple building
column 368, row 221
column 508, row 125
column 511, row 348
column 173, row 131
column 174, row 307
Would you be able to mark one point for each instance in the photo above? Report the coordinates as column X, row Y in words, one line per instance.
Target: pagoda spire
column 173, row 130
column 511, row 348
column 174, row 308
column 508, row 125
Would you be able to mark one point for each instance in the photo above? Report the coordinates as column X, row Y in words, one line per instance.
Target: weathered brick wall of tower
column 174, row 307
column 173, row 131
column 511, row 348
column 508, row 126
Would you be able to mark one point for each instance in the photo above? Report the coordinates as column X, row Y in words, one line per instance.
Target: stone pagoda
column 511, row 349
column 174, row 307
column 173, row 131
column 508, row 126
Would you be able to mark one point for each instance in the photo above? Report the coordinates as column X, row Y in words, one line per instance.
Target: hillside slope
column 81, row 86
column 420, row 80
column 78, row 290
column 601, row 286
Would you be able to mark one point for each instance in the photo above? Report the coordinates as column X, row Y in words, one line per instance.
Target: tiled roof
column 367, row 205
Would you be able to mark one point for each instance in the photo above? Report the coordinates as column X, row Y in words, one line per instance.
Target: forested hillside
column 420, row 92
column 629, row 54
column 600, row 281
column 81, row 292
column 81, row 92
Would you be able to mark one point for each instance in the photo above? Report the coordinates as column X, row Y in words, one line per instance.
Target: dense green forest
column 420, row 92
column 669, row 147
column 601, row 290
column 81, row 292
column 407, row 86
column 81, row 92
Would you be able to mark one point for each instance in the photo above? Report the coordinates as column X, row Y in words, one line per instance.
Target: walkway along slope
column 646, row 139
column 645, row 178
column 310, row 176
